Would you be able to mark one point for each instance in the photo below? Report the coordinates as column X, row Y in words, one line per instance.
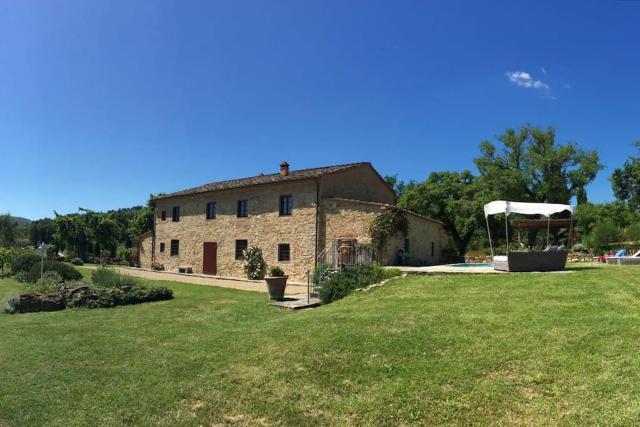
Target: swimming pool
column 472, row 265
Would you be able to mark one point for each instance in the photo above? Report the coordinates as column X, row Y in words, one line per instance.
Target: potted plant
column 276, row 283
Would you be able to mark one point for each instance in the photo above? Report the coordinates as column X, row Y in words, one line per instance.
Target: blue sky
column 102, row 103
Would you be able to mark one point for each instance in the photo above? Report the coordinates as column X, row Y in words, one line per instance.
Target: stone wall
column 263, row 227
column 351, row 218
column 145, row 247
column 361, row 183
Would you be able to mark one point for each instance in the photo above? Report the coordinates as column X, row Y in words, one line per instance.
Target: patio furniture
column 551, row 259
column 625, row 260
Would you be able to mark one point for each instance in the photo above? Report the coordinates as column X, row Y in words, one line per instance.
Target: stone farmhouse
column 293, row 216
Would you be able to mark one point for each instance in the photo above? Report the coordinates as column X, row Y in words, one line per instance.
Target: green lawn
column 493, row 349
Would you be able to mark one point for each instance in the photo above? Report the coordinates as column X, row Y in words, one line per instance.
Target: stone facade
column 263, row 227
column 321, row 213
column 145, row 249
column 425, row 239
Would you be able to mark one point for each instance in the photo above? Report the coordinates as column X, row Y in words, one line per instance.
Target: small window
column 175, row 247
column 163, row 215
column 211, row 210
column 243, row 208
column 286, row 205
column 433, row 249
column 284, row 252
column 241, row 245
column 406, row 246
column 176, row 214
column 162, row 247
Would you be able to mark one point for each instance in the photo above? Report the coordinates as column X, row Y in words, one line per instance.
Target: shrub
column 24, row 262
column 126, row 255
column 22, row 277
column 341, row 284
column 276, row 272
column 109, row 278
column 66, row 271
column 633, row 232
column 10, row 303
column 123, row 295
column 49, row 283
column 254, row 265
column 156, row 266
column 605, row 233
column 77, row 261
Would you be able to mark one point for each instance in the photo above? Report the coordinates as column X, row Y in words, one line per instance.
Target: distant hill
column 21, row 221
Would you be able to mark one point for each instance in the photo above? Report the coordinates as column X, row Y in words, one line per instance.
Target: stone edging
column 379, row 284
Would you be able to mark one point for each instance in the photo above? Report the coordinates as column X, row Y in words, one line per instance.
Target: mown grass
column 484, row 349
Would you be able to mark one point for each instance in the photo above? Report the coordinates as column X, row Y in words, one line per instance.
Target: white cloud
column 544, row 71
column 524, row 79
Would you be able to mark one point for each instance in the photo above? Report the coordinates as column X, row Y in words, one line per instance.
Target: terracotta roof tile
column 265, row 179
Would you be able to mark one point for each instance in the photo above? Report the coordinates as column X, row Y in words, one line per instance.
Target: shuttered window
column 243, row 208
column 284, row 252
column 211, row 210
column 286, row 205
column 241, row 245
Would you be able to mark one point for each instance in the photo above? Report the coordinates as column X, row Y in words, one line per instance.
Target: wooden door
column 210, row 258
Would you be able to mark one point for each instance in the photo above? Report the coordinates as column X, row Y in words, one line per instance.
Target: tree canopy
column 8, row 229
column 626, row 182
column 454, row 198
column 530, row 166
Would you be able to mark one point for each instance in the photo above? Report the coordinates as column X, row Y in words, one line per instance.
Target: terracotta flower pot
column 276, row 287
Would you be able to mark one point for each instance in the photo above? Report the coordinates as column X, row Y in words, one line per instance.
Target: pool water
column 472, row 265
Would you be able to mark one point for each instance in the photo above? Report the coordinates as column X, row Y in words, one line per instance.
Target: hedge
column 66, row 271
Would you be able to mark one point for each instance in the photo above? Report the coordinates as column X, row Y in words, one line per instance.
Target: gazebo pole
column 489, row 233
column 548, row 230
column 570, row 231
column 506, row 227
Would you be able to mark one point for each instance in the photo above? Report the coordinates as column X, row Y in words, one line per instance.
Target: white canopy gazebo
column 547, row 260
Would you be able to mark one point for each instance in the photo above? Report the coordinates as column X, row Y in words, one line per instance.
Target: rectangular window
column 175, row 247
column 284, row 252
column 162, row 247
column 406, row 246
column 241, row 245
column 163, row 215
column 176, row 214
column 286, row 205
column 243, row 208
column 433, row 249
column 211, row 210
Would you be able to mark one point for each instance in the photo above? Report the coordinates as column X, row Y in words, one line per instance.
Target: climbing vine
column 391, row 222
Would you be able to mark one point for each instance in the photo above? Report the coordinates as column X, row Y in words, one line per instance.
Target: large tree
column 454, row 198
column 8, row 227
column 626, row 182
column 142, row 220
column 530, row 166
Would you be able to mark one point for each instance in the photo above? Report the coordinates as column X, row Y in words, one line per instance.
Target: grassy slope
column 519, row 348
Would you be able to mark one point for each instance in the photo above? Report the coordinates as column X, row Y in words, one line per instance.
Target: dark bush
column 157, row 266
column 24, row 262
column 77, row 261
column 122, row 295
column 66, row 271
column 342, row 283
column 109, row 278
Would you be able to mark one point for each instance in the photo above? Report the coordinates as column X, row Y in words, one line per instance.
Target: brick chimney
column 284, row 169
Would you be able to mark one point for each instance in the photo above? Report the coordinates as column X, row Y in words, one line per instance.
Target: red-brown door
column 210, row 258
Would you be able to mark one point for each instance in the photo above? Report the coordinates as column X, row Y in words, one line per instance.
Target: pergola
column 544, row 209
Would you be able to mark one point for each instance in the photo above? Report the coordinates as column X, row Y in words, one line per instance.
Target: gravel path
column 198, row 279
